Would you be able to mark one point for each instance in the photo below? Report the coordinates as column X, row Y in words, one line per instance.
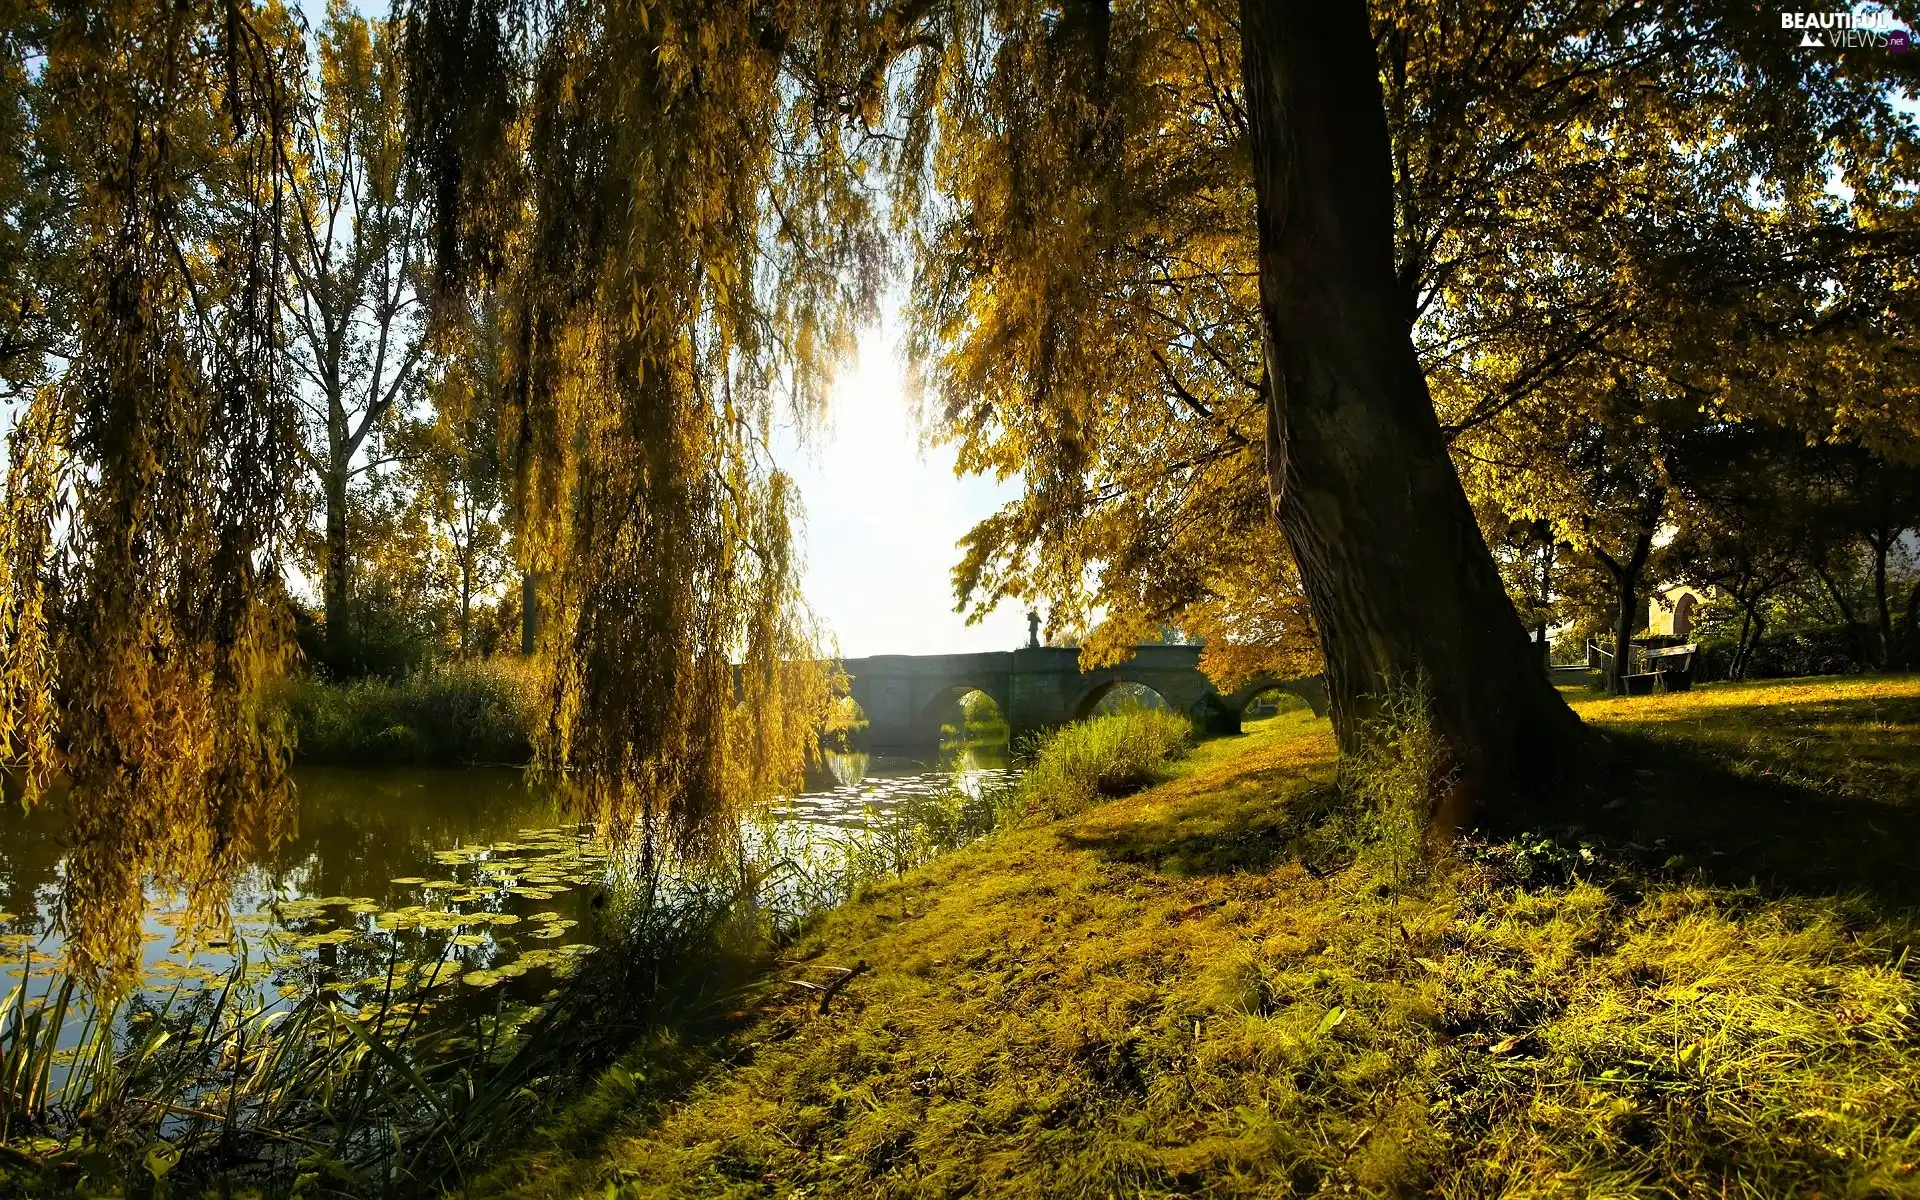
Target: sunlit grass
column 1204, row 988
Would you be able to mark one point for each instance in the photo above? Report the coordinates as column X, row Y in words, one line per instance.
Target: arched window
column 1683, row 616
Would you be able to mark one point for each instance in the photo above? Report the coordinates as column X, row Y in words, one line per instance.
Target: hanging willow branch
column 688, row 244
column 142, row 613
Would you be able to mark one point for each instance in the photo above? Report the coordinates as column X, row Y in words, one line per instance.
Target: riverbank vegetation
column 354, row 346
column 1215, row 984
column 458, row 713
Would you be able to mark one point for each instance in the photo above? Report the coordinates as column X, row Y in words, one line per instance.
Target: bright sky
column 883, row 517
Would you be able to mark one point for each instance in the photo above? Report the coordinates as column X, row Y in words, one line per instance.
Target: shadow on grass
column 1681, row 808
column 1818, row 800
column 1251, row 824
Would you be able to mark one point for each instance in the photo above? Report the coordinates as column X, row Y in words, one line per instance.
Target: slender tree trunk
column 1737, row 668
column 1854, row 630
column 1624, row 620
column 529, row 614
column 1626, row 608
column 466, row 608
column 336, row 586
column 1882, row 610
column 1753, row 643
column 1397, row 573
column 1910, row 622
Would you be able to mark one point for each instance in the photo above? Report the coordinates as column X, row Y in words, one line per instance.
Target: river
column 473, row 852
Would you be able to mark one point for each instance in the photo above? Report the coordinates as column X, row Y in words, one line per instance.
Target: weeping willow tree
column 669, row 199
column 143, row 617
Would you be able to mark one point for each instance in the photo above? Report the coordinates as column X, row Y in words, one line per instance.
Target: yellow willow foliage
column 1086, row 317
column 1579, row 196
column 142, row 618
column 692, row 244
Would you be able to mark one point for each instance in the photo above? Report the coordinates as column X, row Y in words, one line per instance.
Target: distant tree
column 456, row 468
column 357, row 250
column 1741, row 522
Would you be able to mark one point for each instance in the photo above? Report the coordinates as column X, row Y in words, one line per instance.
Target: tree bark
column 336, row 586
column 1738, row 667
column 1626, row 615
column 1398, row 576
column 529, row 614
column 1883, row 541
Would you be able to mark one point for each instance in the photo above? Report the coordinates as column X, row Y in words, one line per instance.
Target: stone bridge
column 906, row 697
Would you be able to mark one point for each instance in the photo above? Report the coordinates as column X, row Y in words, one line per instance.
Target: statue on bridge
column 1033, row 629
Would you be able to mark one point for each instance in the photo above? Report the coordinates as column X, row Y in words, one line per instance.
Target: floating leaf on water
column 470, row 940
column 438, row 974
column 332, row 937
column 411, row 880
column 497, row 918
column 482, row 979
column 439, row 885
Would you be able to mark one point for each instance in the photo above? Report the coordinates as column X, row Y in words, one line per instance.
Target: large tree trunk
column 1397, row 573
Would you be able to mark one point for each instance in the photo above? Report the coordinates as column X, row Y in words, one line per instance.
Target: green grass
column 1705, row 989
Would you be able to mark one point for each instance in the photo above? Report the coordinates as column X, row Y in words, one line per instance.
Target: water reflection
column 374, row 852
column 850, row 783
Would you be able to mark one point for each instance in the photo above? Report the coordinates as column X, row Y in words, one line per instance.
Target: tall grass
column 1108, row 756
column 1394, row 780
column 451, row 714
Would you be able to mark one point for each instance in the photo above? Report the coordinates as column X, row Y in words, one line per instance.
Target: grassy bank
column 1211, row 987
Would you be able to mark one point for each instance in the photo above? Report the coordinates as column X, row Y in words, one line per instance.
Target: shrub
column 1789, row 653
column 456, row 713
column 1107, row 756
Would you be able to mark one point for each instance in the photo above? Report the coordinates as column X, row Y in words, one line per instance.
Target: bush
column 1107, row 756
column 453, row 714
column 1787, row 654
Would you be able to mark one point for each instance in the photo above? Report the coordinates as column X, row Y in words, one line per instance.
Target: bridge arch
column 947, row 697
column 1311, row 690
column 1106, row 688
column 906, row 697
